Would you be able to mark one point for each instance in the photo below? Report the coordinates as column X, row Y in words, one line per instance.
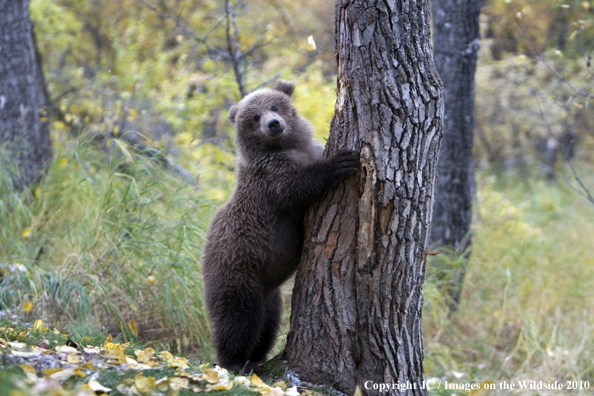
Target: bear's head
column 266, row 120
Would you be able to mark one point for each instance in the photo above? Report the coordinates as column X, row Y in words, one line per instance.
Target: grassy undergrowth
column 527, row 308
column 109, row 243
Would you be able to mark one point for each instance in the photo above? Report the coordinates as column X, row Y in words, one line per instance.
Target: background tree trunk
column 24, row 129
column 456, row 38
column 357, row 301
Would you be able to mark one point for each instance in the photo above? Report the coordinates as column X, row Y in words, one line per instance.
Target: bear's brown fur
column 255, row 239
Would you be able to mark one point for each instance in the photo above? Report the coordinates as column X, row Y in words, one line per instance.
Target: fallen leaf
column 257, row 382
column 97, row 387
column 29, row 371
column 44, row 344
column 145, row 385
column 51, row 371
column 178, row 362
column 144, row 356
column 166, row 356
column 177, row 383
column 242, row 381
column 294, row 392
column 65, row 349
column 63, row 374
column 211, row 376
column 17, row 345
column 39, row 325
column 73, row 359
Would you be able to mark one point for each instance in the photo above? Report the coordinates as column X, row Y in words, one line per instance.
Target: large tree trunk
column 24, row 130
column 456, row 39
column 357, row 301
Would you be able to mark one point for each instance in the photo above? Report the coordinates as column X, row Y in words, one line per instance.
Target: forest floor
column 36, row 360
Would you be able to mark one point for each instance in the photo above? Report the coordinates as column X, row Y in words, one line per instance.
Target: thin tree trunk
column 357, row 302
column 24, row 129
column 456, row 39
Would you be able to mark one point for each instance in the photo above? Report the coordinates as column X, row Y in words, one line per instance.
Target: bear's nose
column 275, row 126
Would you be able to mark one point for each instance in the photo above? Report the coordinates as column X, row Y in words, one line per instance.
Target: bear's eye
column 257, row 118
column 274, row 108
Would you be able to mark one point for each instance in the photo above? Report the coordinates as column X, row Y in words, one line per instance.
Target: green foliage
column 114, row 247
column 525, row 309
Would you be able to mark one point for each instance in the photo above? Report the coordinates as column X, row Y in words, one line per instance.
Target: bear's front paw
column 345, row 163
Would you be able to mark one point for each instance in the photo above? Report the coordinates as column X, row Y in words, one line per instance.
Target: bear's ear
column 232, row 114
column 285, row 87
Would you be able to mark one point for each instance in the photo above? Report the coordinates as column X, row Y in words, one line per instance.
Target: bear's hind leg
column 238, row 322
column 273, row 307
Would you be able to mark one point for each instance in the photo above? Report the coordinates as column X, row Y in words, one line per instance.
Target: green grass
column 110, row 244
column 527, row 302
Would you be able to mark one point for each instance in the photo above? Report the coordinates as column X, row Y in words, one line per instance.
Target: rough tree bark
column 24, row 130
column 357, row 301
column 456, row 38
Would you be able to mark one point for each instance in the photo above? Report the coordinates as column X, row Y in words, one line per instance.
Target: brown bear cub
column 255, row 239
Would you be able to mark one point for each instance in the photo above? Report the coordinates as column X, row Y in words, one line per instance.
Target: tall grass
column 526, row 310
column 107, row 242
column 112, row 243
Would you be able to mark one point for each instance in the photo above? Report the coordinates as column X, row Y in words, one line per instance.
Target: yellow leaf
column 37, row 192
column 97, row 387
column 116, row 130
column 144, row 356
column 241, row 381
column 27, row 232
column 51, row 371
column 29, row 371
column 166, row 356
column 162, row 384
column 212, row 376
column 28, row 306
column 151, row 280
column 257, row 382
column 358, row 391
column 178, row 362
column 80, row 373
column 226, row 386
column 132, row 326
column 145, row 385
column 177, row 383
column 73, row 359
column 66, row 349
column 43, row 119
column 63, row 374
column 39, row 325
column 88, row 366
column 62, row 162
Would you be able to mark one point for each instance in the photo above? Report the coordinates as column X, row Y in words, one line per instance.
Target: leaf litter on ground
column 48, row 362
